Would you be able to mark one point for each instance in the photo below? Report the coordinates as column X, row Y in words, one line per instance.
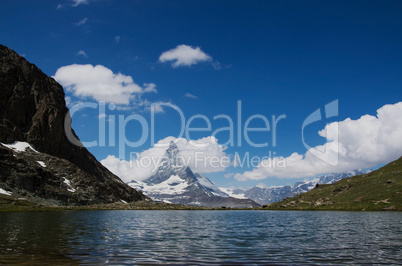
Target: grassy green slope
column 378, row 190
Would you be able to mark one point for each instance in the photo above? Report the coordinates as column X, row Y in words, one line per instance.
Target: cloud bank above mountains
column 199, row 155
column 362, row 143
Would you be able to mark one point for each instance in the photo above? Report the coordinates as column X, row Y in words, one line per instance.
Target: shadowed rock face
column 33, row 110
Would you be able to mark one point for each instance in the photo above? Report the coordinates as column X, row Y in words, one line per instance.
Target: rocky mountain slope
column 266, row 195
column 378, row 190
column 33, row 112
column 174, row 182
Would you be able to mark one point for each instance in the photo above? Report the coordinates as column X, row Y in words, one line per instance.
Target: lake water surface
column 197, row 237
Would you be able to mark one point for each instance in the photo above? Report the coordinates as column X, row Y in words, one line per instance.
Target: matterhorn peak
column 175, row 182
column 172, row 153
column 172, row 148
column 172, row 145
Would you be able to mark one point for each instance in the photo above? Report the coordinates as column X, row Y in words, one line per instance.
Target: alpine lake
column 200, row 237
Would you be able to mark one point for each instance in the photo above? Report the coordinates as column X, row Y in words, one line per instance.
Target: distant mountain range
column 374, row 191
column 266, row 195
column 174, row 182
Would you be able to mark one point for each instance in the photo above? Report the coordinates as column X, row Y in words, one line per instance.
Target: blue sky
column 276, row 57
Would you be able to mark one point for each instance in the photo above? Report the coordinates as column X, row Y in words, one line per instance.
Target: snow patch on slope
column 19, row 146
column 67, row 182
column 172, row 186
column 41, row 163
column 230, row 193
column 205, row 182
column 4, row 192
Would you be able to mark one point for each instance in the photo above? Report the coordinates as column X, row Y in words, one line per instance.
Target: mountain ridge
column 267, row 195
column 374, row 191
column 33, row 111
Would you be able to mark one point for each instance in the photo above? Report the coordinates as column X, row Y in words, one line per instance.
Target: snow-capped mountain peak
column 172, row 155
column 174, row 182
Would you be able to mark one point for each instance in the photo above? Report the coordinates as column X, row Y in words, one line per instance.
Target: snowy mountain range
column 174, row 182
column 266, row 195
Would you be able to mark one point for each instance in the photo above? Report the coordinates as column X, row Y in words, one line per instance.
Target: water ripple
column 196, row 237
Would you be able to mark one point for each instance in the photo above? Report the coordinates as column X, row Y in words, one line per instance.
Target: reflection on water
column 227, row 237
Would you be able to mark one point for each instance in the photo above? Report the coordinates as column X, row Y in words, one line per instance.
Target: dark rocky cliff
column 33, row 110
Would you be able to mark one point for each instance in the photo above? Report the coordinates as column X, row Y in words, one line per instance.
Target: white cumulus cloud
column 184, row 55
column 100, row 83
column 204, row 155
column 362, row 143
